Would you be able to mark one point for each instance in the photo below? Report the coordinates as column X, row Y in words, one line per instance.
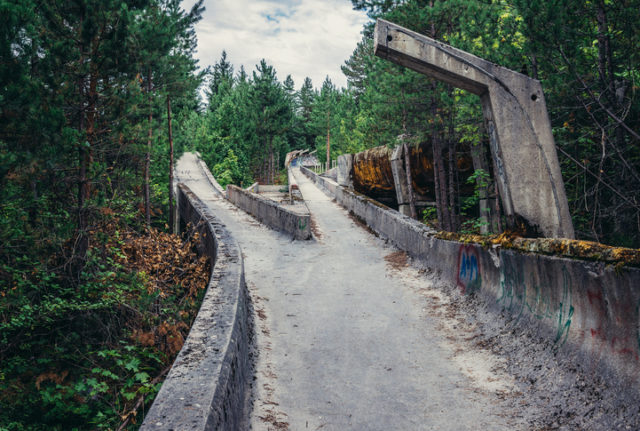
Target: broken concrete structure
column 524, row 155
column 345, row 166
column 400, row 180
column 207, row 385
column 372, row 174
column 380, row 173
column 301, row 158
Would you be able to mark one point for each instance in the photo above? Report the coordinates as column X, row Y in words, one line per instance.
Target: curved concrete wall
column 207, row 173
column 207, row 386
column 270, row 213
column 587, row 310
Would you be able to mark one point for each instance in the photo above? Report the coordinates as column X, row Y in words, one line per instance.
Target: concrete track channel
column 351, row 336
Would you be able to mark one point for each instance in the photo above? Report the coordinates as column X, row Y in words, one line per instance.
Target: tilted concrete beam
column 522, row 146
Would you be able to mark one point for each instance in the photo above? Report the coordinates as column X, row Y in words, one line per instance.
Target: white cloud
column 298, row 37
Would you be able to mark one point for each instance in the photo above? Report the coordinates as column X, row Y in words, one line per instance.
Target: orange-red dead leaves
column 52, row 377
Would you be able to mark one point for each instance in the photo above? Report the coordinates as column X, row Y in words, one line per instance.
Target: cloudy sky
column 298, row 37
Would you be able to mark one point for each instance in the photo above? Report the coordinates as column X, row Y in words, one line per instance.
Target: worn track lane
column 347, row 339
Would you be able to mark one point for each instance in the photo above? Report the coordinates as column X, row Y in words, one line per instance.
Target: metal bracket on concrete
column 522, row 146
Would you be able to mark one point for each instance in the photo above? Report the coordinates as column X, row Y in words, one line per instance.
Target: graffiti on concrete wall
column 469, row 276
column 519, row 296
column 302, row 224
column 610, row 313
column 609, row 316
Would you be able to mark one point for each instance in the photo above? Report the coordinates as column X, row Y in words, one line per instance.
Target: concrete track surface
column 350, row 336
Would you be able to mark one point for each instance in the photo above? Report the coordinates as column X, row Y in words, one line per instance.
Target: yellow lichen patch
column 570, row 248
column 372, row 171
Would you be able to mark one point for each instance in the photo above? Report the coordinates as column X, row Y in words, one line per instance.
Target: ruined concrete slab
column 524, row 154
column 293, row 185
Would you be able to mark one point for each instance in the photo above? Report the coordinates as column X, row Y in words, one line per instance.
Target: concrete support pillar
column 524, row 154
column 400, row 180
column 345, row 166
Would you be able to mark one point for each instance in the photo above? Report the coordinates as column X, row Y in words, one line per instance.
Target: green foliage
column 228, row 171
column 479, row 179
column 74, row 112
column 69, row 355
column 429, row 216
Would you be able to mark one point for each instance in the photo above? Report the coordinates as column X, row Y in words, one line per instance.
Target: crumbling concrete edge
column 270, row 213
column 208, row 385
column 586, row 310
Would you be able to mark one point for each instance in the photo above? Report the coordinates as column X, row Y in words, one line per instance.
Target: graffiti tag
column 469, row 277
column 302, row 224
column 609, row 313
column 518, row 297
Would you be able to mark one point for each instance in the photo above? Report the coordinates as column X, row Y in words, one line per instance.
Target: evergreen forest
column 99, row 97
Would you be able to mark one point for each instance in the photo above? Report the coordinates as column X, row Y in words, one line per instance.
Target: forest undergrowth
column 92, row 353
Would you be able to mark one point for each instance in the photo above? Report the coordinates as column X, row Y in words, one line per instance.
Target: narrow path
column 349, row 336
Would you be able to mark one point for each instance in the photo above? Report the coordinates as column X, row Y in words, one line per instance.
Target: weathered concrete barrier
column 586, row 309
column 297, row 224
column 207, row 386
column 207, row 173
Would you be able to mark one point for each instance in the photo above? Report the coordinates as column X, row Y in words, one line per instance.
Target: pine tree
column 221, row 82
column 272, row 115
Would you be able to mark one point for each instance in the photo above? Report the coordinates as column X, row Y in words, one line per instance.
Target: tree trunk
column 480, row 163
column 172, row 216
column 265, row 168
column 83, row 241
column 452, row 185
column 605, row 64
column 407, row 161
column 147, row 158
column 328, row 140
column 534, row 66
column 452, row 169
column 271, row 165
column 438, row 171
column 85, row 160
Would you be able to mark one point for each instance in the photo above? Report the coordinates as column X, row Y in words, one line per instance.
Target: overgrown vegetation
column 95, row 298
column 90, row 354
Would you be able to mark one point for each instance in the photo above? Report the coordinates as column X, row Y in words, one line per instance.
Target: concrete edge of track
column 208, row 384
column 296, row 224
